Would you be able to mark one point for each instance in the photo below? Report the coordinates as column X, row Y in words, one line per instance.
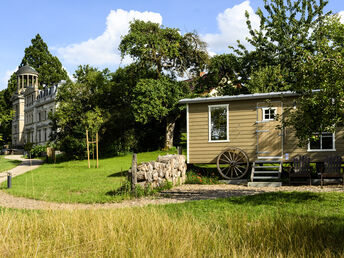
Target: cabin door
column 269, row 138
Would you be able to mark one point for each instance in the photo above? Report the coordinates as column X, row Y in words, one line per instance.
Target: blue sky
column 88, row 32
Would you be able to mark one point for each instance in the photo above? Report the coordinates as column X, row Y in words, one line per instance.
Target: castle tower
column 27, row 77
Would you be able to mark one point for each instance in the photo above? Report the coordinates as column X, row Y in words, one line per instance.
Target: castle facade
column 32, row 107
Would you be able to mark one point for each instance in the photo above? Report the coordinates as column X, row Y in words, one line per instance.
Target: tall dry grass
column 147, row 232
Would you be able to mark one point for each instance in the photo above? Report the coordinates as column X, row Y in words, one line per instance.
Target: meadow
column 277, row 224
column 7, row 164
column 74, row 182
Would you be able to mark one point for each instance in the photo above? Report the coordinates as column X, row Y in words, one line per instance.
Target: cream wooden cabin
column 248, row 122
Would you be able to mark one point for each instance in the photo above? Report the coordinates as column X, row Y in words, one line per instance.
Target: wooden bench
column 301, row 169
column 332, row 169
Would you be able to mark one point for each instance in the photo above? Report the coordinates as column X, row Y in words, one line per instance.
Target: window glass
column 218, row 123
column 323, row 141
column 269, row 113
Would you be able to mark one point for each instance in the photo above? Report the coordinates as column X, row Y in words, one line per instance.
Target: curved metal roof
column 26, row 69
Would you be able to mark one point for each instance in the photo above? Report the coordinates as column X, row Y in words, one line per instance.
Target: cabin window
column 322, row 142
column 218, row 123
column 269, row 114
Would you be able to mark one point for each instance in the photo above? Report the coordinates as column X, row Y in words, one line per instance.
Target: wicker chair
column 301, row 170
column 332, row 169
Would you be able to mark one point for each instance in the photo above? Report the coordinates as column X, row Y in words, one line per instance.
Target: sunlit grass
column 267, row 225
column 7, row 164
column 74, row 182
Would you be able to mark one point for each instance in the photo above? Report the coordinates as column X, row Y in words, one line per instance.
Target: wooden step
column 267, row 161
column 266, row 167
column 266, row 177
column 266, row 172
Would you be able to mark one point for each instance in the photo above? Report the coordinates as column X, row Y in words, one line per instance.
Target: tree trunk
column 171, row 124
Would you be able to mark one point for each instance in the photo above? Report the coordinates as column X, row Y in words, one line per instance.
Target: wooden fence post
column 180, row 150
column 133, row 173
column 97, row 147
column 88, row 150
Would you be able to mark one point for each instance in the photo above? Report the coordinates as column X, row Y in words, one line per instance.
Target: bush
column 38, row 150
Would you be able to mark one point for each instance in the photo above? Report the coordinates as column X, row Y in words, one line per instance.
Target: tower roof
column 26, row 69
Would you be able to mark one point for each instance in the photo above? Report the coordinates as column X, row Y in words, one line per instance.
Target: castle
column 32, row 106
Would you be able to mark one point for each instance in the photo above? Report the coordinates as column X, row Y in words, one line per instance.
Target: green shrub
column 38, row 150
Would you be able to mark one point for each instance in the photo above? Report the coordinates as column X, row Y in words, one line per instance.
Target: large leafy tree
column 158, row 100
column 80, row 108
column 169, row 53
column 287, row 27
column 164, row 49
column 320, row 82
column 48, row 66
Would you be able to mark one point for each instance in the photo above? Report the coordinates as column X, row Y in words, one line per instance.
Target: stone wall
column 168, row 168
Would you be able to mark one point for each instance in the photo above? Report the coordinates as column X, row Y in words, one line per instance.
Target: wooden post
column 88, row 150
column 97, row 147
column 133, row 173
column 180, row 150
column 92, row 142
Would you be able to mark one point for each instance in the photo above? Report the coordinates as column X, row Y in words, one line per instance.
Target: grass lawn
column 73, row 182
column 280, row 224
column 7, row 164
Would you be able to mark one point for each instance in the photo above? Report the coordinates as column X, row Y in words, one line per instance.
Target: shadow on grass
column 118, row 174
column 14, row 162
column 276, row 197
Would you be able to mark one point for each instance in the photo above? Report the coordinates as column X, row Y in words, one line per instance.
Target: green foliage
column 164, row 49
column 28, row 146
column 226, row 72
column 267, row 79
column 286, row 29
column 37, row 150
column 169, row 54
column 80, row 108
column 157, row 99
column 48, row 66
column 6, row 112
column 320, row 111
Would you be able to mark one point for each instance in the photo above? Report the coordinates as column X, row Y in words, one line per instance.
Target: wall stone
column 168, row 168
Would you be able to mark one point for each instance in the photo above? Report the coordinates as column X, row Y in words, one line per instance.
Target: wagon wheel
column 233, row 163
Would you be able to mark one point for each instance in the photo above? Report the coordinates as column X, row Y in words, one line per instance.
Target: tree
column 78, row 104
column 158, row 99
column 227, row 73
column 286, row 28
column 164, row 49
column 48, row 66
column 320, row 81
column 6, row 109
column 169, row 53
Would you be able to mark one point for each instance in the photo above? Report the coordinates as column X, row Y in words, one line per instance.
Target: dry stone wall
column 168, row 168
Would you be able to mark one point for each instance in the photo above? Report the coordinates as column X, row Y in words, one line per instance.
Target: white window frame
column 268, row 108
column 333, row 144
column 209, row 122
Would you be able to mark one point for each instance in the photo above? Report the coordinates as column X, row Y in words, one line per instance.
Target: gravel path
column 176, row 195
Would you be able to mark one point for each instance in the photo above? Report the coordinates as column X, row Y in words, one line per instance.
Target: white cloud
column 341, row 15
column 103, row 49
column 232, row 26
column 6, row 76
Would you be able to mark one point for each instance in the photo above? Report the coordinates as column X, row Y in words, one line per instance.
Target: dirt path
column 176, row 195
